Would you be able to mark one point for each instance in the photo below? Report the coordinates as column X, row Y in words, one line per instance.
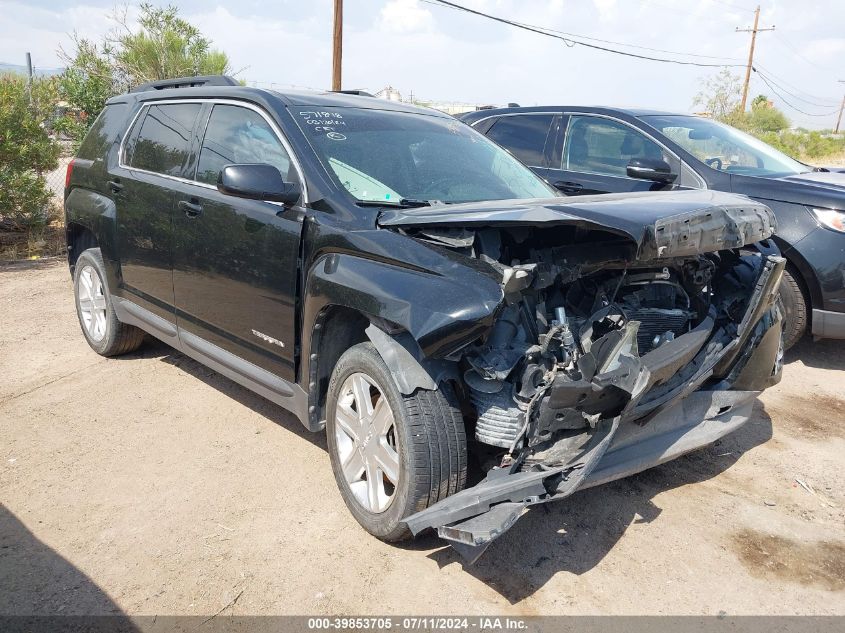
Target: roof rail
column 360, row 93
column 187, row 82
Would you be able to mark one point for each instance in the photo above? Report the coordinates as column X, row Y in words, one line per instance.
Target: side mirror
column 257, row 181
column 650, row 169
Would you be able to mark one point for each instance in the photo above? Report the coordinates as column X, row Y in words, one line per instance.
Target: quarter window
column 240, row 135
column 164, row 138
column 524, row 135
column 603, row 146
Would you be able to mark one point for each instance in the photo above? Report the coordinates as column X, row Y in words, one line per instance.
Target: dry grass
column 832, row 160
column 48, row 241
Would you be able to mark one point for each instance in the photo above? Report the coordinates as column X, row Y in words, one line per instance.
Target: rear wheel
column 795, row 317
column 392, row 454
column 105, row 334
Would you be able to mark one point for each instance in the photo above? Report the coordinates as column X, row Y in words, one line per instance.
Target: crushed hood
column 661, row 224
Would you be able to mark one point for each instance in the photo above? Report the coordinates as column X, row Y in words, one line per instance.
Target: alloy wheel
column 366, row 442
column 92, row 303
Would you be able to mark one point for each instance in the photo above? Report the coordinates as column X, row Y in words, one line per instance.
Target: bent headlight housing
column 831, row 218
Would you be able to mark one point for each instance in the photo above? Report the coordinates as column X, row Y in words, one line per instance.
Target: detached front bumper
column 713, row 401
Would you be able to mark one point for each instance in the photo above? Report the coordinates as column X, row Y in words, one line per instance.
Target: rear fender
column 96, row 213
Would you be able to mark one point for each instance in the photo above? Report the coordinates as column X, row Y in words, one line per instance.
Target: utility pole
column 841, row 107
column 337, row 53
column 29, row 77
column 753, row 32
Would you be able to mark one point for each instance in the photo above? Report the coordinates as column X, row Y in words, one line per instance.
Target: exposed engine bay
column 565, row 324
column 589, row 337
column 602, row 344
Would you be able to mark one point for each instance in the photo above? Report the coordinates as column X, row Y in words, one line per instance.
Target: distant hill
column 20, row 69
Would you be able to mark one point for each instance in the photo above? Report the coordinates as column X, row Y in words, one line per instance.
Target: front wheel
column 392, row 454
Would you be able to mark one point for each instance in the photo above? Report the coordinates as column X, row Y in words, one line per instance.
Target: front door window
column 602, row 146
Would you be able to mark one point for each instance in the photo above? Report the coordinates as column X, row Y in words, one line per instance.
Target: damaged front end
column 620, row 344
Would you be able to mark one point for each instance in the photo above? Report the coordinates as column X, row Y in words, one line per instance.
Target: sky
column 440, row 54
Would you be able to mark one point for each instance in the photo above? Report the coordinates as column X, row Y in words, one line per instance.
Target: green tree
column 764, row 117
column 161, row 45
column 721, row 95
column 759, row 100
column 85, row 86
column 166, row 46
column 26, row 151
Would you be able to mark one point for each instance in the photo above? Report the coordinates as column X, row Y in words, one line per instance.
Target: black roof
column 187, row 82
column 472, row 117
column 222, row 86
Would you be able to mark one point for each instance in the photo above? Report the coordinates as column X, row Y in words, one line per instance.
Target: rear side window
column 104, row 132
column 240, row 135
column 163, row 139
column 524, row 135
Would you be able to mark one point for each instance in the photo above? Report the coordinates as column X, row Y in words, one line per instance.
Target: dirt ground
column 151, row 485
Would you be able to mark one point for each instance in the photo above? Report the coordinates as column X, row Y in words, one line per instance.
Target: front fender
column 441, row 313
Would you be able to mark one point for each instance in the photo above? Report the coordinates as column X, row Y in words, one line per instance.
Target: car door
column 152, row 160
column 236, row 260
column 595, row 153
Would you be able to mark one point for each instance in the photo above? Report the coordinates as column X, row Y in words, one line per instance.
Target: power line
column 787, row 103
column 795, row 96
column 732, row 6
column 758, row 66
column 644, row 48
column 674, row 7
column 571, row 41
column 546, row 30
column 780, row 38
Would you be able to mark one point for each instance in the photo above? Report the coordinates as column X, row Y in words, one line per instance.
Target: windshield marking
column 385, row 155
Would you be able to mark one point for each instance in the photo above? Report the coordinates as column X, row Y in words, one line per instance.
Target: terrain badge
column 269, row 339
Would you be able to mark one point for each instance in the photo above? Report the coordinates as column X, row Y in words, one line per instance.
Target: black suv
column 583, row 150
column 387, row 273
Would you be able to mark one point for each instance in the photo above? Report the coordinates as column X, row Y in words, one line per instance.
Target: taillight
column 68, row 174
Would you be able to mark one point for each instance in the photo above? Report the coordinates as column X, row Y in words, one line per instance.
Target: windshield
column 725, row 148
column 386, row 157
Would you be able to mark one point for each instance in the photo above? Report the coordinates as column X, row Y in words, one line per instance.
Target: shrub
column 26, row 151
column 804, row 144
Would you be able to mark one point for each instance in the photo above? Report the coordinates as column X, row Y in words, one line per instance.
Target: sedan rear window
column 524, row 135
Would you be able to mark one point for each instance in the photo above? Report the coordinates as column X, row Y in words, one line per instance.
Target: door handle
column 192, row 209
column 115, row 185
column 568, row 187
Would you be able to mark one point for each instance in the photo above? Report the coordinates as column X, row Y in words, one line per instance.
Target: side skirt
column 289, row 396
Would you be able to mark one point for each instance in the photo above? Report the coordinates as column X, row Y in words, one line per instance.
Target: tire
column 427, row 436
column 794, row 303
column 105, row 334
